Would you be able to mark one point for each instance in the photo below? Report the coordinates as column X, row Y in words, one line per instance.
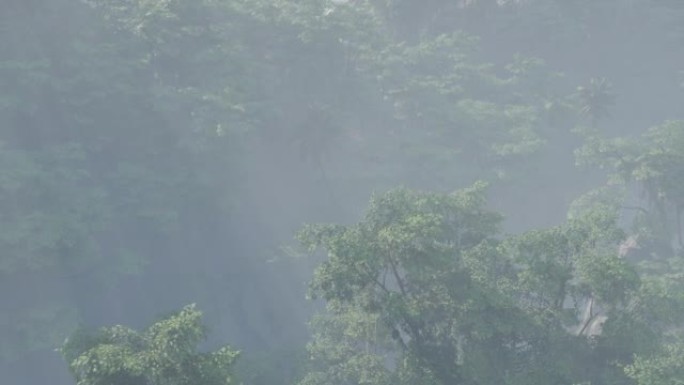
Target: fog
column 161, row 153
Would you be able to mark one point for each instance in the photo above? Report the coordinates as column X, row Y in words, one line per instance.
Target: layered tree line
column 524, row 162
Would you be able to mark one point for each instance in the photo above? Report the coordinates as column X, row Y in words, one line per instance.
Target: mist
column 348, row 191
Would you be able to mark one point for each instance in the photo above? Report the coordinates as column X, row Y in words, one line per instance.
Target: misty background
column 156, row 153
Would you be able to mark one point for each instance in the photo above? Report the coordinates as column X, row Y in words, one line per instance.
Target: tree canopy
column 164, row 353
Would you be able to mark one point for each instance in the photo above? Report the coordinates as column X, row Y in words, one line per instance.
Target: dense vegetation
column 524, row 161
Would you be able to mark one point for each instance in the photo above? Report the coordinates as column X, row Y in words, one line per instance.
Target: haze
column 377, row 192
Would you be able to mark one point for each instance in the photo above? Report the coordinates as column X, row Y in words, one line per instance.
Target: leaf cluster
column 164, row 353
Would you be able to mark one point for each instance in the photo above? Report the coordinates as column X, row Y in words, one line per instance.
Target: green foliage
column 138, row 137
column 421, row 282
column 665, row 368
column 424, row 290
column 595, row 99
column 388, row 283
column 164, row 353
column 660, row 301
column 109, row 147
column 652, row 161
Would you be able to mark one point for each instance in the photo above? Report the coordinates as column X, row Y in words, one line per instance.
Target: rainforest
column 341, row 192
